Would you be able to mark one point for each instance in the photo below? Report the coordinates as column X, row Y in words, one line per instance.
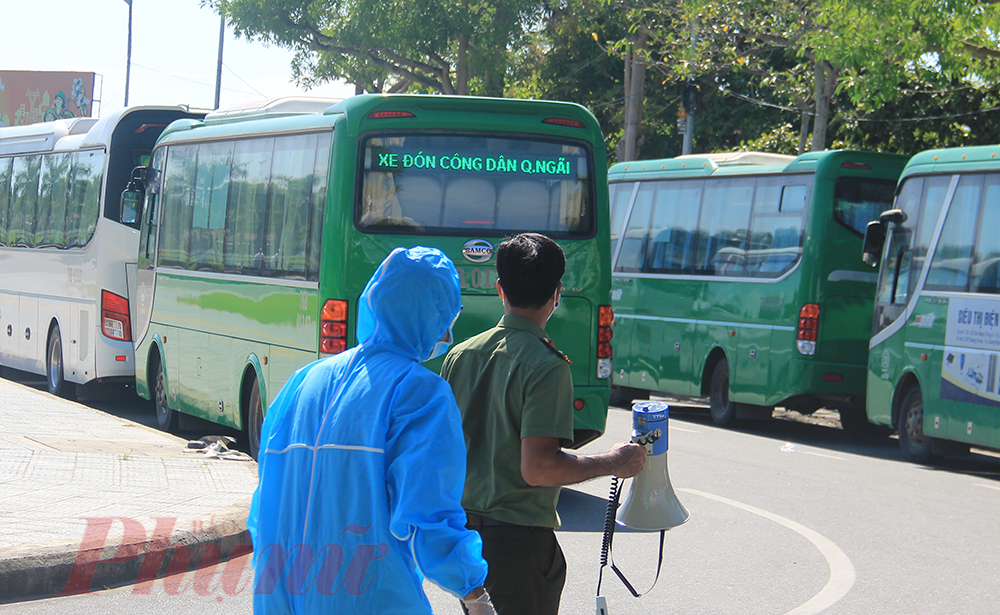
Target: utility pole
column 689, row 100
column 128, row 61
column 218, row 70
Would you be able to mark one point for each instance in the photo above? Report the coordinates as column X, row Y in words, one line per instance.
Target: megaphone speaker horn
column 651, row 503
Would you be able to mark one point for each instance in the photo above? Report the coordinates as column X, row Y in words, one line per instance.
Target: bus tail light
column 605, row 318
column 808, row 328
column 333, row 327
column 115, row 320
column 389, row 115
column 561, row 121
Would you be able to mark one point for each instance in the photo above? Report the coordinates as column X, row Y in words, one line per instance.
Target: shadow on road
column 822, row 431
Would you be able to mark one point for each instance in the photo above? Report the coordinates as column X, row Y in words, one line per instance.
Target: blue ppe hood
column 410, row 302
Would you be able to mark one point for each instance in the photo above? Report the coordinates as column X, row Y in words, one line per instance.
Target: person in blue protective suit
column 362, row 463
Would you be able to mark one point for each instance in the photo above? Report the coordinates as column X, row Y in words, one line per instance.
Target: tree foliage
column 892, row 75
column 439, row 46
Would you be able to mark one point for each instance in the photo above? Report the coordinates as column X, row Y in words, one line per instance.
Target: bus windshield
column 489, row 185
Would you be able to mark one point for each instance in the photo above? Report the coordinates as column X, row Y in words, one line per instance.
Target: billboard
column 27, row 97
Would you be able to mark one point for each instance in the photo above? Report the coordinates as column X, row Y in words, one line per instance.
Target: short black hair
column 529, row 266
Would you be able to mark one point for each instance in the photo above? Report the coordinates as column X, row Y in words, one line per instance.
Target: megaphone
column 651, row 503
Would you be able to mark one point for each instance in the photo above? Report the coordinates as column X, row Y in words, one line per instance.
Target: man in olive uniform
column 515, row 392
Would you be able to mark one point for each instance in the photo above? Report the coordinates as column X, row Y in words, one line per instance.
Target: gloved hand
column 480, row 605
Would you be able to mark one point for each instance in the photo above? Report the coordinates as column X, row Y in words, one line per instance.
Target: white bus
column 64, row 256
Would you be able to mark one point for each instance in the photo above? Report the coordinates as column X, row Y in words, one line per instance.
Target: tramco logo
column 477, row 251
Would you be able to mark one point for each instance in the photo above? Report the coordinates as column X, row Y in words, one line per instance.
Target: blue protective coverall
column 362, row 462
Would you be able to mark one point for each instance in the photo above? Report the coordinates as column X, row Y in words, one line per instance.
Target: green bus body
column 218, row 318
column 932, row 364
column 718, row 256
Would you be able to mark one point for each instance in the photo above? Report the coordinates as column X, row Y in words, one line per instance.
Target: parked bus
column 932, row 363
column 64, row 255
column 262, row 226
column 732, row 279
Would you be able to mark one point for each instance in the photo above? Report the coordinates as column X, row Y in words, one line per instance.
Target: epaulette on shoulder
column 548, row 344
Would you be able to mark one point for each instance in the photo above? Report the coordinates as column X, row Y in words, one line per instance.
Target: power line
column 859, row 119
column 244, row 82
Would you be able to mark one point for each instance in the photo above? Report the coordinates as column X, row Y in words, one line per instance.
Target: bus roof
column 398, row 111
column 748, row 163
column 68, row 134
column 956, row 159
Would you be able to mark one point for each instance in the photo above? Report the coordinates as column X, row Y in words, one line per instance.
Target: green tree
column 436, row 46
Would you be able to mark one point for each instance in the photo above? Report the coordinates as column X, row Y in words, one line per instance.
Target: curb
column 58, row 569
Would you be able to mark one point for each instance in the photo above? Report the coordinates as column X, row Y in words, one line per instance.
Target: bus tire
column 166, row 418
column 916, row 446
column 54, row 372
column 255, row 419
column 722, row 409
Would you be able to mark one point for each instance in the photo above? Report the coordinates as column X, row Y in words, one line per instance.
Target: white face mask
column 442, row 346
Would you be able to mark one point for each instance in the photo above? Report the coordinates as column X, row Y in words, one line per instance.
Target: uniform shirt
column 510, row 383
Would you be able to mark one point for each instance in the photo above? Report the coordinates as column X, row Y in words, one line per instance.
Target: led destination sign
column 393, row 161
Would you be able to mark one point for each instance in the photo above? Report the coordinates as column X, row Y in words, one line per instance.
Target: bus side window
column 674, row 227
column 5, row 165
column 621, row 194
column 953, row 256
column 633, row 248
column 986, row 262
column 177, row 205
column 85, row 197
column 723, row 228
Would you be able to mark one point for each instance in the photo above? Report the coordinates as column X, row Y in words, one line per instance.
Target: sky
column 175, row 51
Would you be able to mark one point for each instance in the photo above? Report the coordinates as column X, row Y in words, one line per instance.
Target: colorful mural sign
column 27, row 97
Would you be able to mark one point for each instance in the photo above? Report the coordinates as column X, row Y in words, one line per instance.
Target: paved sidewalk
column 89, row 500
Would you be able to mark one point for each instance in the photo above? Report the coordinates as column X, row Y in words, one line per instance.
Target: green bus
column 261, row 225
column 932, row 362
column 732, row 280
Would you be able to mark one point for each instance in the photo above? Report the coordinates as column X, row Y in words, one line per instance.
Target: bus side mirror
column 874, row 240
column 131, row 204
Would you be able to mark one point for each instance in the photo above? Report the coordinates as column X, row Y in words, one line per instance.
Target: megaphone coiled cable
column 606, row 553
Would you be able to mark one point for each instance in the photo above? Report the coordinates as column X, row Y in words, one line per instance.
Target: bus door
column 906, row 247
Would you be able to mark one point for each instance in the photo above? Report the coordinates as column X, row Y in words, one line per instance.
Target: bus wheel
column 722, row 408
column 255, row 418
column 916, row 446
column 54, row 380
column 166, row 418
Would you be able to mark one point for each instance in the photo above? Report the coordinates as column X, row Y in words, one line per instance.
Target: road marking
column 823, row 455
column 986, row 486
column 675, row 428
column 842, row 575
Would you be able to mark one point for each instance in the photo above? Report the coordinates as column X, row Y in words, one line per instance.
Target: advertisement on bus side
column 969, row 371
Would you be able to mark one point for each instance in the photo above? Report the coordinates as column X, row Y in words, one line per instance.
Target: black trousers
column 527, row 569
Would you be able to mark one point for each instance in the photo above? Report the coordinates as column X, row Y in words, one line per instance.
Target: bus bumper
column 590, row 420
column 825, row 384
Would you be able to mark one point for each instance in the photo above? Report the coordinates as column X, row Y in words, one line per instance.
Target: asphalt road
column 786, row 517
